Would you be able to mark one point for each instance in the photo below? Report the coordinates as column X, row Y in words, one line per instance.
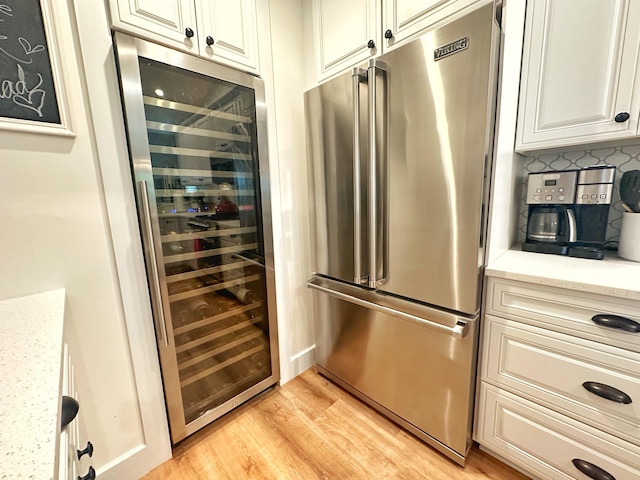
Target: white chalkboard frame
column 64, row 127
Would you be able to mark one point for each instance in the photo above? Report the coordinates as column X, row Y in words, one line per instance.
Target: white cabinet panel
column 579, row 71
column 405, row 18
column 563, row 310
column 222, row 30
column 164, row 21
column 342, row 31
column 545, row 443
column 550, row 368
column 232, row 27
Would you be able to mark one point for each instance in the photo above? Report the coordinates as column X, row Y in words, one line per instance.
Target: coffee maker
column 568, row 211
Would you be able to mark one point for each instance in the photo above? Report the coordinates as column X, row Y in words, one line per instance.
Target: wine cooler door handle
column 377, row 176
column 591, row 470
column 155, row 277
column 357, row 76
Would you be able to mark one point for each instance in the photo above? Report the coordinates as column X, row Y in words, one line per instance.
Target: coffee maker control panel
column 598, row 194
column 558, row 188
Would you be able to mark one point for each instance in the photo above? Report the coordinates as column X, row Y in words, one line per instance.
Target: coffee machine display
column 568, row 211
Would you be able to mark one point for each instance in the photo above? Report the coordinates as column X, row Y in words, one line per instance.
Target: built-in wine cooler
column 197, row 142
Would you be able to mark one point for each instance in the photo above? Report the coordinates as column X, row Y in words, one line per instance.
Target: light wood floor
column 312, row 429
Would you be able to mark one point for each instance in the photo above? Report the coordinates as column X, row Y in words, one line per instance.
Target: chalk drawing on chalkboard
column 31, row 85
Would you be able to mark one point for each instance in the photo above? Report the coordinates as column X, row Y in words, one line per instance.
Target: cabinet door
column 228, row 32
column 342, row 31
column 404, row 18
column 579, row 71
column 163, row 21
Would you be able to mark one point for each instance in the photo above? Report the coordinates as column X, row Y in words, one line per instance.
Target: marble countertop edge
column 611, row 276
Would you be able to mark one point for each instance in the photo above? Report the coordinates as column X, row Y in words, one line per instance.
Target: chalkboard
column 27, row 90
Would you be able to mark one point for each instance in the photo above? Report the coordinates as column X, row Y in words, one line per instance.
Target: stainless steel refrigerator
column 400, row 160
column 197, row 142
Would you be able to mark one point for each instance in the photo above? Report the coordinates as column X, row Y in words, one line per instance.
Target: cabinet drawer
column 551, row 368
column 563, row 310
column 545, row 443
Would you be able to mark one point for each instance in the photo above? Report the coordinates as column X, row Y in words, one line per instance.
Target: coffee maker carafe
column 551, row 222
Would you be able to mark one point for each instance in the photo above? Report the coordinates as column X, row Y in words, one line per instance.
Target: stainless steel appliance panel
column 440, row 130
column 420, row 376
column 338, row 196
column 197, row 141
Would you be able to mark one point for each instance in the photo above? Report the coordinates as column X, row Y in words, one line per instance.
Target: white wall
column 56, row 233
column 290, row 200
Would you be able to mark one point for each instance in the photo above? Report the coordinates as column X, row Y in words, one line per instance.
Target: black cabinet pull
column 70, row 407
column 621, row 117
column 188, row 32
column 605, row 391
column 91, row 475
column 88, row 450
column 388, row 34
column 209, row 40
column 371, row 44
column 591, row 470
column 616, row 321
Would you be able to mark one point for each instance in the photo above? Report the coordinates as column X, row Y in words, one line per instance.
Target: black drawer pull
column 591, row 470
column 91, row 475
column 88, row 451
column 70, row 407
column 616, row 321
column 605, row 391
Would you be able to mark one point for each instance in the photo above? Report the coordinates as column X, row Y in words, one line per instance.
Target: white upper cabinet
column 348, row 33
column 345, row 33
column 580, row 81
column 165, row 21
column 404, row 18
column 228, row 32
column 220, row 30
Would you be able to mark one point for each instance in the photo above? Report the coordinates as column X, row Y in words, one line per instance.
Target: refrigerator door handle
column 156, row 293
column 459, row 330
column 377, row 242
column 358, row 75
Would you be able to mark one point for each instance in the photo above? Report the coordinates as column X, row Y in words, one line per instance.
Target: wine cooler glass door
column 206, row 205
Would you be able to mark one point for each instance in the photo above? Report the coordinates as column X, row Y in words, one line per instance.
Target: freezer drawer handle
column 616, row 321
column 591, row 470
column 608, row 392
column 458, row 331
column 154, row 259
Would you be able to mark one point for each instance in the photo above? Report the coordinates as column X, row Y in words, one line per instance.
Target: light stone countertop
column 30, row 368
column 611, row 276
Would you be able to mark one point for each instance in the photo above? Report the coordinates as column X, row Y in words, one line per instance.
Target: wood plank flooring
column 312, row 429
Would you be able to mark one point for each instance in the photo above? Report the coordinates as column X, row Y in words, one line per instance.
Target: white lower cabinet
column 74, row 457
column 559, row 398
column 549, row 445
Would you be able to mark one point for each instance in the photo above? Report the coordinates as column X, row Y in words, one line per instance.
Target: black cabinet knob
column 188, row 32
column 371, row 44
column 388, row 34
column 87, row 450
column 621, row 117
column 91, row 475
column 70, row 407
column 209, row 40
